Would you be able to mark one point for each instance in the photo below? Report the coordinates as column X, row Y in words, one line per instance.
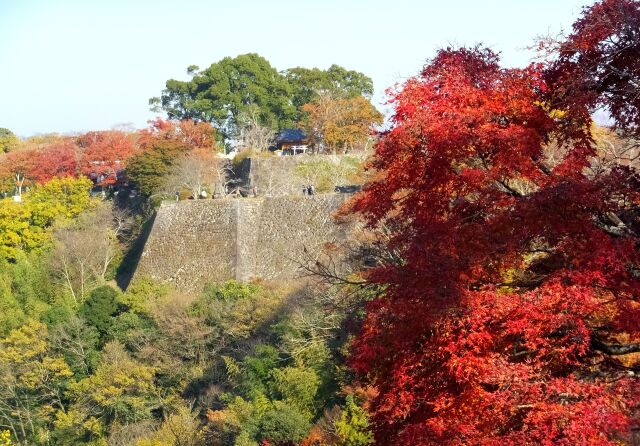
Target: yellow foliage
column 342, row 123
column 26, row 225
column 73, row 422
column 29, row 375
column 554, row 113
column 5, row 438
column 23, row 351
column 180, row 428
column 120, row 387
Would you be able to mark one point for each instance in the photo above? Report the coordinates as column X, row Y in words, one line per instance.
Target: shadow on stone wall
column 129, row 263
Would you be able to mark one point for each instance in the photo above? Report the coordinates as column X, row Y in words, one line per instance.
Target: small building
column 292, row 142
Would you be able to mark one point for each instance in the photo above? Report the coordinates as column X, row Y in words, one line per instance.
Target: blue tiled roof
column 291, row 135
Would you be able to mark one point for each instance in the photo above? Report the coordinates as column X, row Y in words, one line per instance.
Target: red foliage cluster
column 187, row 134
column 507, row 319
column 101, row 155
column 59, row 159
column 598, row 65
column 104, row 155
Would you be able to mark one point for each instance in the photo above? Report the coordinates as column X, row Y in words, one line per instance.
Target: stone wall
column 276, row 176
column 273, row 176
column 289, row 227
column 190, row 239
column 198, row 241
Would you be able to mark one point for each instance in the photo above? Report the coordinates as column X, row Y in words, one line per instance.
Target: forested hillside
column 85, row 362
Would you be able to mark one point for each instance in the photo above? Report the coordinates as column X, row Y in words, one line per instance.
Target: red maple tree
column 58, row 159
column 187, row 134
column 105, row 155
column 598, row 64
column 512, row 314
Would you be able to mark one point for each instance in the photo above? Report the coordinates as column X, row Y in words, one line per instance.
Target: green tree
column 250, row 422
column 77, row 342
column 11, row 312
column 222, row 92
column 283, row 424
column 8, row 141
column 100, row 307
column 132, row 330
column 26, row 291
column 234, row 312
column 143, row 293
column 353, row 425
column 307, row 83
column 297, row 386
column 31, row 284
column 149, row 169
column 257, row 371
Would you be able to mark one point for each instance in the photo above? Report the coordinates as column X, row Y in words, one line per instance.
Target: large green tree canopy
column 227, row 89
column 220, row 93
column 306, row 83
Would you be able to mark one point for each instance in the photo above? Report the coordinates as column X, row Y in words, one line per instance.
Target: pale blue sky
column 77, row 65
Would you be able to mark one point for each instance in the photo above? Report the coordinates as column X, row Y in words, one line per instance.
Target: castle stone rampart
column 198, row 241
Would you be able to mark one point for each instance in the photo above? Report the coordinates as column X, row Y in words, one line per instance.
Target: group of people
column 238, row 191
column 306, row 190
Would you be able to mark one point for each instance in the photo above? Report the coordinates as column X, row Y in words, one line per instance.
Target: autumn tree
column 179, row 428
column 340, row 124
column 510, row 303
column 185, row 133
column 27, row 226
column 105, row 154
column 32, row 382
column 41, row 141
column 163, row 145
column 14, row 169
column 31, row 166
column 121, row 389
column 597, row 65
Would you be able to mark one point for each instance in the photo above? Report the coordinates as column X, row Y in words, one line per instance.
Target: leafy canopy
column 26, row 226
column 232, row 87
column 502, row 318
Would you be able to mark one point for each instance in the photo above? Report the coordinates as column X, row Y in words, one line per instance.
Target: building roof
column 291, row 136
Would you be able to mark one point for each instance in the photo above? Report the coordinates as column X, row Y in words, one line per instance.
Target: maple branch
column 615, row 349
column 540, row 165
column 319, row 269
column 509, row 189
